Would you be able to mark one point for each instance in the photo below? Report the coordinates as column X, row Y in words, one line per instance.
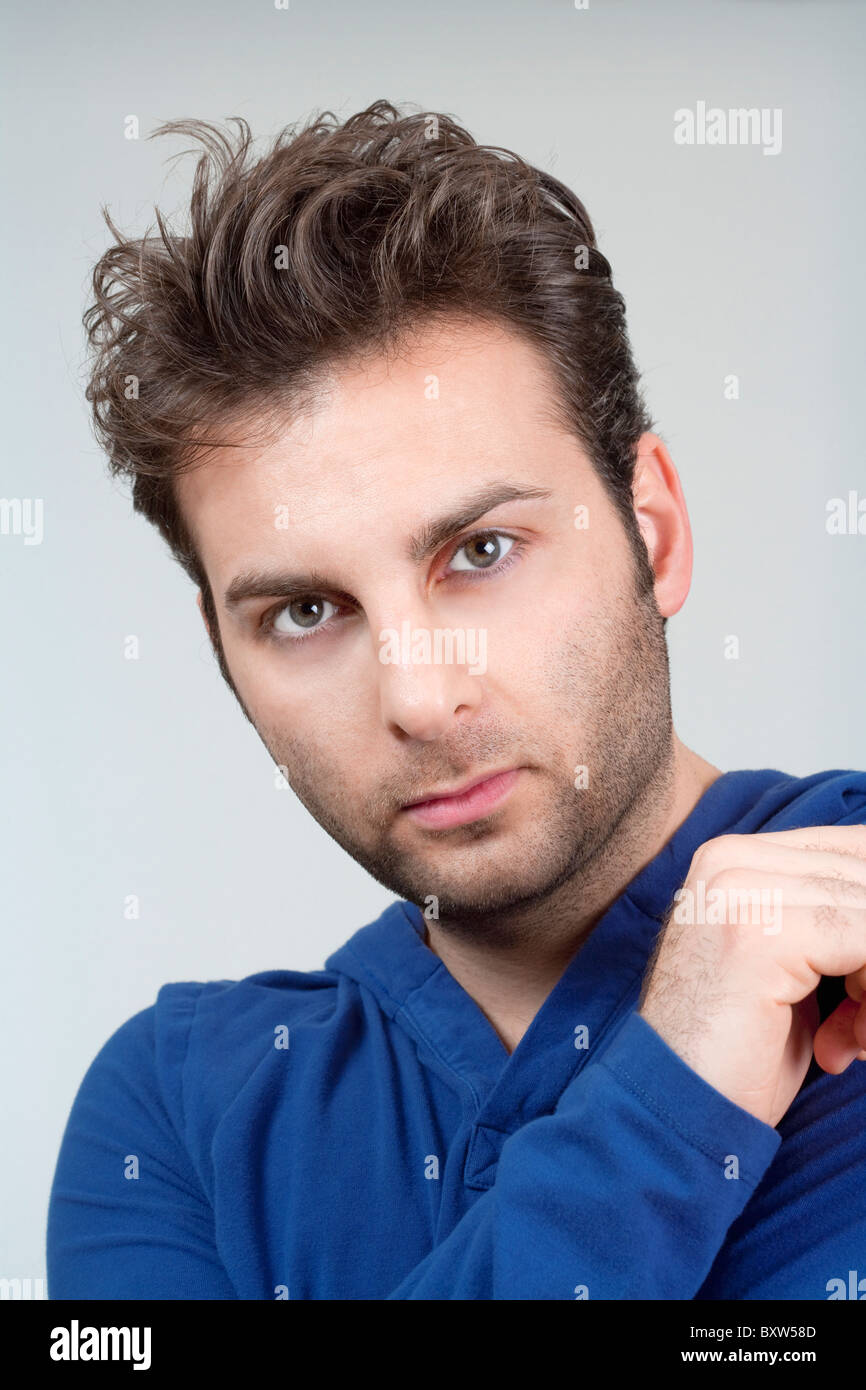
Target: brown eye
column 483, row 550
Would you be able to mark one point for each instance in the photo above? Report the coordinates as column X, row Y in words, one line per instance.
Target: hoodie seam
column 619, row 1009
column 623, row 1075
column 403, row 1008
column 366, row 970
column 421, row 1036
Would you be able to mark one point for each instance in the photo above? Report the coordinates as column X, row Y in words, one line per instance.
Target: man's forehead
column 406, row 433
column 442, row 372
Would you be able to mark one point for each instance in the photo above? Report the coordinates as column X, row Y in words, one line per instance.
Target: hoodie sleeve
column 626, row 1191
column 127, row 1216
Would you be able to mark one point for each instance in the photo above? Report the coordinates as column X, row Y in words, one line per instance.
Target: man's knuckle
column 713, row 855
column 728, row 878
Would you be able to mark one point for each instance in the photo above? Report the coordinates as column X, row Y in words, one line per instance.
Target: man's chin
column 480, row 870
column 490, row 892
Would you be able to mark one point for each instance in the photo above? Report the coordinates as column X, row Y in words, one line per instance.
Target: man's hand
column 732, row 991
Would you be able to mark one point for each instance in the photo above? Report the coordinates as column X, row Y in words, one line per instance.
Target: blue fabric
column 394, row 1150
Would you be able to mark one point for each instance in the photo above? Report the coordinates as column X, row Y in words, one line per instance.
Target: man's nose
column 424, row 685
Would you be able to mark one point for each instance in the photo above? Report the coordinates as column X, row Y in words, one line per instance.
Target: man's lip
column 477, row 800
column 458, row 791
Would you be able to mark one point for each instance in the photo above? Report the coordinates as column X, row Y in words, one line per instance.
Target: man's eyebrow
column 275, row 583
column 434, row 533
column 266, row 583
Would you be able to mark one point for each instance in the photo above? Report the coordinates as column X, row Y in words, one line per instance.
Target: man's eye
column 484, row 550
column 300, row 617
column 303, row 618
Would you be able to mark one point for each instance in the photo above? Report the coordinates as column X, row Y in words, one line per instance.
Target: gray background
column 143, row 776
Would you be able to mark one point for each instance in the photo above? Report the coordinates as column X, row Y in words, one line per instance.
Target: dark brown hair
column 332, row 244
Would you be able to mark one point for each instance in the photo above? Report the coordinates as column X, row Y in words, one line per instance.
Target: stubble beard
column 487, row 881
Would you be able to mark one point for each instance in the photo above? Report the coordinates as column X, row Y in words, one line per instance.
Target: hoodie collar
column 413, row 986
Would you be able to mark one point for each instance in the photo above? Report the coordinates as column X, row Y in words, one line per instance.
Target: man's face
column 564, row 665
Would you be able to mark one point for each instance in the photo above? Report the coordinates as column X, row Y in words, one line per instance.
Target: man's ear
column 663, row 521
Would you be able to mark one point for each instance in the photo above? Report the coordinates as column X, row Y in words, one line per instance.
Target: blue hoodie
column 360, row 1132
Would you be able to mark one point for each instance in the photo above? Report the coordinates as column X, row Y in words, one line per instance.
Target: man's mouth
column 477, row 798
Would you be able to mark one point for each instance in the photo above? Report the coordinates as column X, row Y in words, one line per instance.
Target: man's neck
column 510, row 987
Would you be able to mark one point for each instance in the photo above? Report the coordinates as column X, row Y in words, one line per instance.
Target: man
column 386, row 415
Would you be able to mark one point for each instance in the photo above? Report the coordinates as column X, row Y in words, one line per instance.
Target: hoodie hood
column 600, row 986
